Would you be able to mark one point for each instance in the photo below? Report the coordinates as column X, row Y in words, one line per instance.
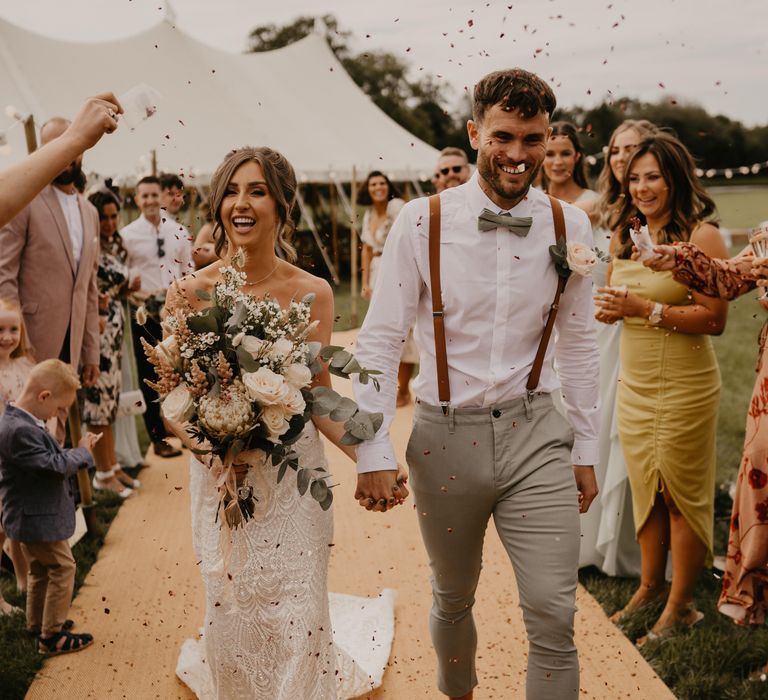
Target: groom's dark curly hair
column 513, row 89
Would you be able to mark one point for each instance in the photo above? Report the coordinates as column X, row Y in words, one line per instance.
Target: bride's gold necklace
column 263, row 279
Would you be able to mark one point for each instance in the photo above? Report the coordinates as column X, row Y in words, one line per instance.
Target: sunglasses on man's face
column 453, row 169
column 160, row 248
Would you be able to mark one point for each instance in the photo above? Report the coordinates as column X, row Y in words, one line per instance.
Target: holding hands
column 382, row 490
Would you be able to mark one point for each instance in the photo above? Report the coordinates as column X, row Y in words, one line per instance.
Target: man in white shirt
column 496, row 447
column 48, row 261
column 159, row 251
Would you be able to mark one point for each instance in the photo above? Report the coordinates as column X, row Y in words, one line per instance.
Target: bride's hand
column 400, row 489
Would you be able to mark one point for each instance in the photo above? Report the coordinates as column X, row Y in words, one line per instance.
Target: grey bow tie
column 519, row 225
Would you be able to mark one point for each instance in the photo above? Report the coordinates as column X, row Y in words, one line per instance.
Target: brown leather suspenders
column 441, row 355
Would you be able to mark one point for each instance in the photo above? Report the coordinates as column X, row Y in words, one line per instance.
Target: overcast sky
column 709, row 51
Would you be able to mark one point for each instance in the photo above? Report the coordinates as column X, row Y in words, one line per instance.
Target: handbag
column 131, row 401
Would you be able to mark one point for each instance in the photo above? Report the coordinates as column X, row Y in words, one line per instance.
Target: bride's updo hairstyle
column 281, row 183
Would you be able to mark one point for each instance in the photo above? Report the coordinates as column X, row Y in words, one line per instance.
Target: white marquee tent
column 298, row 99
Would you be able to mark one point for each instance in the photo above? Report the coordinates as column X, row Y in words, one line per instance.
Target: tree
column 417, row 105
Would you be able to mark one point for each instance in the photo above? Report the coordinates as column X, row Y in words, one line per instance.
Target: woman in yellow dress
column 669, row 382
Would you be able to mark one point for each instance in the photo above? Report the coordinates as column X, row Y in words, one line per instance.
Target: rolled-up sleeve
column 577, row 358
column 390, row 317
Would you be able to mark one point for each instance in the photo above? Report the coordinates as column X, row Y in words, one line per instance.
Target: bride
column 267, row 631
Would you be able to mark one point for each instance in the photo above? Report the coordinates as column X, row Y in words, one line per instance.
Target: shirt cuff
column 375, row 458
column 585, row 452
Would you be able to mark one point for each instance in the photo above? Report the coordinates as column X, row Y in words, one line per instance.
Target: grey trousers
column 511, row 462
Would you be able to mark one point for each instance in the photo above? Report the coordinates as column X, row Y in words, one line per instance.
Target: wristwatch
column 654, row 318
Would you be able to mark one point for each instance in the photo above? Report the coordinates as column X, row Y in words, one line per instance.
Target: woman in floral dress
column 744, row 596
column 101, row 399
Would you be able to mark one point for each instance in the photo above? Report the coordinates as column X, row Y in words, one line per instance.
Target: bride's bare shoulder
column 305, row 283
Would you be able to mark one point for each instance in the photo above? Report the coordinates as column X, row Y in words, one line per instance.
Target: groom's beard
column 72, row 174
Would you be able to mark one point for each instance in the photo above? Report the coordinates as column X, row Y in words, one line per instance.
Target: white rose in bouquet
column 294, row 402
column 251, row 343
column 265, row 386
column 169, row 351
column 178, row 406
column 273, row 418
column 581, row 258
column 298, row 375
column 280, row 349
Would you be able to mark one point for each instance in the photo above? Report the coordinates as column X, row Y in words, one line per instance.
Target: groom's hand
column 586, row 483
column 381, row 490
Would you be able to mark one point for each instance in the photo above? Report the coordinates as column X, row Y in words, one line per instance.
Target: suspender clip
column 445, row 406
column 437, row 314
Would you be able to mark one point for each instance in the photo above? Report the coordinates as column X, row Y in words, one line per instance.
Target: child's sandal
column 72, row 642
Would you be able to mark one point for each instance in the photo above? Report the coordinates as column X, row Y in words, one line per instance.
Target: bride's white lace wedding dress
column 268, row 631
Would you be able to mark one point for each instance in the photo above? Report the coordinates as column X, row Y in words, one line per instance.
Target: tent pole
column 154, row 162
column 306, row 214
column 334, row 229
column 353, row 253
column 29, row 133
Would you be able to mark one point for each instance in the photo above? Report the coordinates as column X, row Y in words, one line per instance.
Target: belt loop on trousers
column 451, row 420
column 527, row 399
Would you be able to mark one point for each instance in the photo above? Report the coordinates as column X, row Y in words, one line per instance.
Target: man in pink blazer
column 48, row 260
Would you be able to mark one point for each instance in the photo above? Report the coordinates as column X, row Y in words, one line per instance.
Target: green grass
column 19, row 660
column 342, row 300
column 741, row 207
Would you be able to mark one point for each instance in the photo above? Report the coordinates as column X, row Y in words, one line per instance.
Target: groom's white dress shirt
column 497, row 290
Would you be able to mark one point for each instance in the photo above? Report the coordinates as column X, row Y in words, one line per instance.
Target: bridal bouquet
column 234, row 382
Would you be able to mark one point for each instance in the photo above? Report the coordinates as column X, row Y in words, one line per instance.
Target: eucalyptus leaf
column 245, row 360
column 363, row 377
column 361, row 426
column 302, row 480
column 309, row 298
column 349, row 439
column 352, row 367
column 281, row 471
column 324, row 400
column 329, row 351
column 202, row 323
column 325, row 504
column 237, row 447
column 319, row 490
column 239, row 314
column 202, row 294
column 376, row 420
column 341, row 358
column 313, row 349
column 345, row 410
column 195, row 450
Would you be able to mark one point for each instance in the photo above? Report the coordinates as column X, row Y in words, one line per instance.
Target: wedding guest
column 385, row 205
column 204, row 249
column 159, row 253
column 452, row 169
column 16, row 362
column 608, row 530
column 101, row 399
column 171, row 194
column 744, row 596
column 22, row 182
column 669, row 381
column 564, row 170
column 48, row 264
column 487, row 440
column 38, row 507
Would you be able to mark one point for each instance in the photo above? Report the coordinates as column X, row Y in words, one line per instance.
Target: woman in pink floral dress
column 745, row 584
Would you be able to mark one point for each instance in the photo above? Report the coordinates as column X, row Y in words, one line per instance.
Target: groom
column 487, row 441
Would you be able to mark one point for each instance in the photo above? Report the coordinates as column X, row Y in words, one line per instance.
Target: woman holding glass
column 669, row 381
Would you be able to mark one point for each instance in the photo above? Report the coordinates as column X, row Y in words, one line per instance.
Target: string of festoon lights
column 727, row 173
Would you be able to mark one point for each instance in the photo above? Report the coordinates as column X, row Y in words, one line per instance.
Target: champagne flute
column 759, row 243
